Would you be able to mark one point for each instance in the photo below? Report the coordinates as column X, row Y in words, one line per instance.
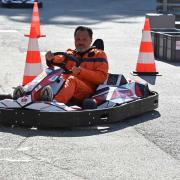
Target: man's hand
column 49, row 56
column 75, row 70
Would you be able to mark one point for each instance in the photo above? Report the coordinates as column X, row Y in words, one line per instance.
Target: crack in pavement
column 22, row 142
column 156, row 144
column 45, row 161
column 54, row 165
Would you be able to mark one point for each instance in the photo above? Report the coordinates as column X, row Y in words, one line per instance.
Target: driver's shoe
column 18, row 92
column 46, row 94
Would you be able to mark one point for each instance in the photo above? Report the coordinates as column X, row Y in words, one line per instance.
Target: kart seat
column 113, row 80
column 99, row 44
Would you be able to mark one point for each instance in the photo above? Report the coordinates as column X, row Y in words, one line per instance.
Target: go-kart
column 20, row 3
column 115, row 100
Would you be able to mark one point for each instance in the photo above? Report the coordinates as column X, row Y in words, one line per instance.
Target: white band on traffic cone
column 146, row 36
column 35, row 19
column 35, row 9
column 33, row 44
column 33, row 69
column 146, row 58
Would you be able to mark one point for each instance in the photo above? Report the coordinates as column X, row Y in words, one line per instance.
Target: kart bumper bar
column 35, row 118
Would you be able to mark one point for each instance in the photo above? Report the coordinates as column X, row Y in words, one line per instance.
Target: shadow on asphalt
column 83, row 131
column 68, row 12
column 173, row 63
column 149, row 79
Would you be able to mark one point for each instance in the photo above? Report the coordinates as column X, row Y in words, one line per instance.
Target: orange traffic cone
column 146, row 62
column 33, row 66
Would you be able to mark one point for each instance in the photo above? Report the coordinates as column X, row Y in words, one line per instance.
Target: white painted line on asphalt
column 5, row 149
column 19, row 149
column 23, row 149
column 8, row 31
column 16, row 160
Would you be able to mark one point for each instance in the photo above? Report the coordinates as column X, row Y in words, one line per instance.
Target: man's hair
column 84, row 28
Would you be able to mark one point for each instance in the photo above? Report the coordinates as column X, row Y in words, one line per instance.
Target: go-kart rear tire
column 89, row 103
column 46, row 94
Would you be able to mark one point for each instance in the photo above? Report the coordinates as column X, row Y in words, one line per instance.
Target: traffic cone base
column 135, row 73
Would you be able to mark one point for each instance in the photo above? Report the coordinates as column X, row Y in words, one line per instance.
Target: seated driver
column 92, row 70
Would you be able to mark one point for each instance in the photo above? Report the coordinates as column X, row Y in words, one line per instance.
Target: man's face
column 82, row 41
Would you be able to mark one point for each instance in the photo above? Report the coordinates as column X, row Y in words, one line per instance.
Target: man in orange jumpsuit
column 92, row 71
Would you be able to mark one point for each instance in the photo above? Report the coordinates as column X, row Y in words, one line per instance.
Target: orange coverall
column 94, row 70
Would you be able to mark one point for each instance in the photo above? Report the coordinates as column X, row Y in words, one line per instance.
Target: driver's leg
column 73, row 88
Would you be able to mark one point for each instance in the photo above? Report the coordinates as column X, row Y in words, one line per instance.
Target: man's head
column 83, row 38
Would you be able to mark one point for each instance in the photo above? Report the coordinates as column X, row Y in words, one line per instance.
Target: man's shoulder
column 93, row 49
column 98, row 52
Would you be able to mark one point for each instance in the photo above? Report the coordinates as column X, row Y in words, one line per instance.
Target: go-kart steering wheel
column 63, row 64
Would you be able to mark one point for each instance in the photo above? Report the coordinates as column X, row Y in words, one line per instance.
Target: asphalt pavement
column 143, row 148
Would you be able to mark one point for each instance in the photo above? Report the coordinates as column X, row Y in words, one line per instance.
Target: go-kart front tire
column 18, row 92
